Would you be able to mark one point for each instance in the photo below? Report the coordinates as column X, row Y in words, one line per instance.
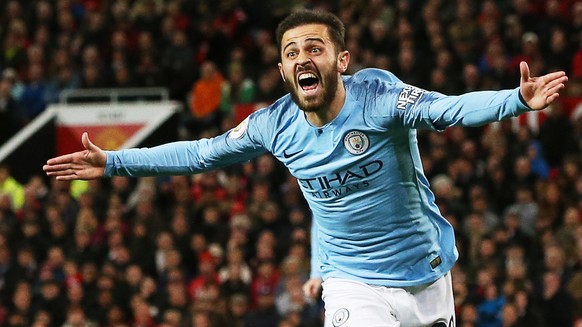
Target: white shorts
column 354, row 304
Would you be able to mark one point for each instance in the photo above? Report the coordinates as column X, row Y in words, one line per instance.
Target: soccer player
column 379, row 243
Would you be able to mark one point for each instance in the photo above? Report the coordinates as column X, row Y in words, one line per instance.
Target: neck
column 325, row 115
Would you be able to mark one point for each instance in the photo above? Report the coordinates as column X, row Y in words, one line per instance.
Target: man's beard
column 322, row 101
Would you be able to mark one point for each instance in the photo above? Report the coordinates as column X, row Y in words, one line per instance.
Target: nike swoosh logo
column 289, row 155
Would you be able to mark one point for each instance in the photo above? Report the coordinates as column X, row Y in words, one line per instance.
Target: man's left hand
column 539, row 92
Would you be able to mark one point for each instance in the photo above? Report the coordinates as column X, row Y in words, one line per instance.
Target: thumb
column 524, row 71
column 87, row 143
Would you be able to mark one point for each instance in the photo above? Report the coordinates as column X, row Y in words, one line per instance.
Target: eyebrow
column 311, row 39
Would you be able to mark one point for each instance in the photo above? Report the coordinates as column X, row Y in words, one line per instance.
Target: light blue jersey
column 374, row 216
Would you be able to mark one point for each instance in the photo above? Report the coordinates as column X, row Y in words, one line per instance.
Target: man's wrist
column 521, row 99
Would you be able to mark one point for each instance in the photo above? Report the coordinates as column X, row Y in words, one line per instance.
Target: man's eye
column 316, row 50
column 291, row 54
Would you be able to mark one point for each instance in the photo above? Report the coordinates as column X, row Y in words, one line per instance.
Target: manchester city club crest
column 356, row 142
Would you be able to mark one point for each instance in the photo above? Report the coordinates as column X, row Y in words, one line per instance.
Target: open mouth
column 308, row 82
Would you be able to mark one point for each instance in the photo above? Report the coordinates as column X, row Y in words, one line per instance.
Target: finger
column 524, row 71
column 53, row 168
column 87, row 142
column 67, row 158
column 561, row 76
column 61, row 173
column 552, row 98
column 64, row 167
column 555, row 89
column 66, row 178
column 556, row 82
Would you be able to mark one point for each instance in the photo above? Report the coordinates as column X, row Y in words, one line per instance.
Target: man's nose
column 303, row 58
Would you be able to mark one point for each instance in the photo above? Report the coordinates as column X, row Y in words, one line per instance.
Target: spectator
column 76, row 318
column 557, row 305
column 235, row 270
column 526, row 208
column 10, row 120
column 206, row 95
column 142, row 316
column 212, row 225
column 269, row 87
column 207, row 275
column 52, row 300
column 92, row 78
column 471, row 78
column 237, row 89
column 21, row 309
column 559, row 54
column 148, row 72
column 65, row 79
column 264, row 283
column 33, row 99
column 238, row 310
column 17, row 85
column 551, row 205
column 11, row 187
column 177, row 62
column 15, row 40
column 265, row 314
column 172, row 318
column 556, row 136
column 490, row 311
column 122, row 77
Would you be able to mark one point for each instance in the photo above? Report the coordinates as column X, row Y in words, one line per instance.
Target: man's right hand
column 312, row 287
column 87, row 164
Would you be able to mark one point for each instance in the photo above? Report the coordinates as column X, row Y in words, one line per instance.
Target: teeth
column 306, row 75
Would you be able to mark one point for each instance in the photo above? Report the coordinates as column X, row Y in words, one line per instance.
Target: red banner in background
column 110, row 126
column 107, row 137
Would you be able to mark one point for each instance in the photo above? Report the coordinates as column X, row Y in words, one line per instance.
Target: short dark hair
column 335, row 26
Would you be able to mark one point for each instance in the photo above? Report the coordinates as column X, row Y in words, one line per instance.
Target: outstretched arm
column 240, row 144
column 86, row 164
column 412, row 107
column 539, row 92
column 423, row 109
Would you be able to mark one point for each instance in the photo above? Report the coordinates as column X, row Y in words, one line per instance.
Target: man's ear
column 281, row 71
column 343, row 60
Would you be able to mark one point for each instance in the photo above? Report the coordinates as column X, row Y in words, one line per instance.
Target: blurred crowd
column 232, row 247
